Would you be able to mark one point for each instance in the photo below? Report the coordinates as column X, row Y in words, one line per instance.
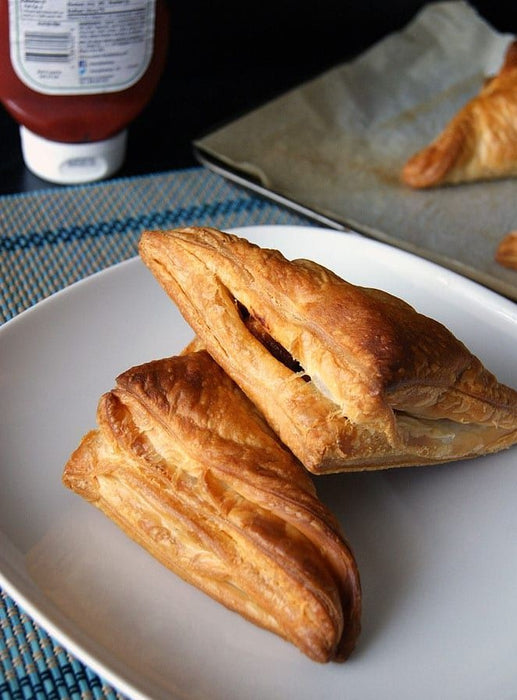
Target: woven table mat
column 53, row 238
column 49, row 240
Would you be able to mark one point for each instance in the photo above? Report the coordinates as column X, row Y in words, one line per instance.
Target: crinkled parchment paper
column 334, row 147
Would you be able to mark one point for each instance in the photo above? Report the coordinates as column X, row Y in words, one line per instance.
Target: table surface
column 225, row 58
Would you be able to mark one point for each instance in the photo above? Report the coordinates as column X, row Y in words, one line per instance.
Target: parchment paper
column 334, row 147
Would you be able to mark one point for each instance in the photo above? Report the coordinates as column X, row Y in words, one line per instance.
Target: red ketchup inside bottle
column 74, row 74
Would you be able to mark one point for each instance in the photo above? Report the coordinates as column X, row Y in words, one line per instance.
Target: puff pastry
column 480, row 142
column 349, row 378
column 188, row 468
column 506, row 252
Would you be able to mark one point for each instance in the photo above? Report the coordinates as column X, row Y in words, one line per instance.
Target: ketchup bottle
column 74, row 74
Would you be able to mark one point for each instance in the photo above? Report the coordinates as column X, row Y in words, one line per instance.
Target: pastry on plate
column 506, row 251
column 187, row 467
column 480, row 142
column 349, row 377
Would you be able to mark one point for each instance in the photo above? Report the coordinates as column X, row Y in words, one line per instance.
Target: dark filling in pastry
column 258, row 331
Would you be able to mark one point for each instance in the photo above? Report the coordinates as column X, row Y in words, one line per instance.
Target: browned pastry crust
column 187, row 467
column 506, row 252
column 349, row 377
column 480, row 142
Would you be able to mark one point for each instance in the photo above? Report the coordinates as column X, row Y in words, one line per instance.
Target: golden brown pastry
column 350, row 378
column 506, row 252
column 480, row 142
column 187, row 467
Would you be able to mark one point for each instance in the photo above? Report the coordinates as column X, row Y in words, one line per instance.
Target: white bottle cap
column 72, row 163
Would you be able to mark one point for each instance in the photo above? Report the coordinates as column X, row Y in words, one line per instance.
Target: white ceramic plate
column 436, row 546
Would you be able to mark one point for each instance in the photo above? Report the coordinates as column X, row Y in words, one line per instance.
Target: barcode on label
column 48, row 46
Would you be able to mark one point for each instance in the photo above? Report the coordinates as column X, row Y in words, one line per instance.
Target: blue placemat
column 55, row 237
column 50, row 239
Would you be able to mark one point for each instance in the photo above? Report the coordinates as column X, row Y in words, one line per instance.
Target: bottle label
column 77, row 47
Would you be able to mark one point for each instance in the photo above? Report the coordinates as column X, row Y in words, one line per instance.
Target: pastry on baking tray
column 480, row 142
column 350, row 378
column 506, row 251
column 187, row 467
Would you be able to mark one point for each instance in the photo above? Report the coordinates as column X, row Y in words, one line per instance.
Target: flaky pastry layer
column 188, row 468
column 348, row 377
column 480, row 142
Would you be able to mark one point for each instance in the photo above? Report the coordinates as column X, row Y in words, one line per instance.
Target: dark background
column 228, row 57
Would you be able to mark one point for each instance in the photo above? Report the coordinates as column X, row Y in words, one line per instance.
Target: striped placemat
column 53, row 238
column 48, row 240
